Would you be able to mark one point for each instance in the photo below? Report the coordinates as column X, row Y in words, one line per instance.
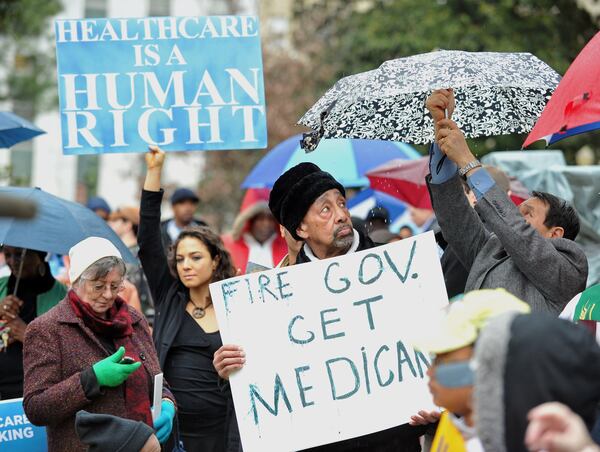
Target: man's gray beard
column 343, row 242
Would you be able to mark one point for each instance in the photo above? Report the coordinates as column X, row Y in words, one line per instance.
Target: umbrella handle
column 438, row 168
column 23, row 252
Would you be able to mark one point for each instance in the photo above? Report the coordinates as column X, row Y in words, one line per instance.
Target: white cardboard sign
column 328, row 344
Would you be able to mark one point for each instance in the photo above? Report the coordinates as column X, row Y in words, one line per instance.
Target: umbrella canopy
column 575, row 105
column 14, row 129
column 496, row 93
column 360, row 205
column 58, row 225
column 406, row 181
column 347, row 160
column 403, row 180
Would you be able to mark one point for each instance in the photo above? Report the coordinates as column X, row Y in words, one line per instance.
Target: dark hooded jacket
column 524, row 360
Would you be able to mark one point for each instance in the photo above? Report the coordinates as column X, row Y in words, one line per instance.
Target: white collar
column 355, row 242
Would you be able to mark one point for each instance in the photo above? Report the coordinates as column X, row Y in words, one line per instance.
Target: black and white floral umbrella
column 496, row 94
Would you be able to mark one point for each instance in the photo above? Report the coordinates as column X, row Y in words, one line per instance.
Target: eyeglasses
column 98, row 287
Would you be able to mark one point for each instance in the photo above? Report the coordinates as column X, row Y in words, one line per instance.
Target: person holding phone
column 186, row 333
column 91, row 351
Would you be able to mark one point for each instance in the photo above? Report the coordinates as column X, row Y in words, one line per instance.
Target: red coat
column 239, row 251
column 57, row 348
column 236, row 245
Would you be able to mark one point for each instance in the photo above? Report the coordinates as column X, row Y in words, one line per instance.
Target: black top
column 11, row 360
column 190, row 372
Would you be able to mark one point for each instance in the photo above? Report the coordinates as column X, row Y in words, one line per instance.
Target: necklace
column 198, row 312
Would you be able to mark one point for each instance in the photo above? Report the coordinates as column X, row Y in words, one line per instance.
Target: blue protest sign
column 183, row 83
column 16, row 432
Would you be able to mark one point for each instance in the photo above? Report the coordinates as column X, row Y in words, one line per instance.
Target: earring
column 42, row 270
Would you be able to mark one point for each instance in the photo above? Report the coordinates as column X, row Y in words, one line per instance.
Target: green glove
column 110, row 373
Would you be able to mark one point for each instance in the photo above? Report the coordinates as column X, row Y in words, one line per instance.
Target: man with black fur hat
column 311, row 205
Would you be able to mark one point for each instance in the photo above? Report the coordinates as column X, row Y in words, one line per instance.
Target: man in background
column 254, row 236
column 184, row 203
column 99, row 206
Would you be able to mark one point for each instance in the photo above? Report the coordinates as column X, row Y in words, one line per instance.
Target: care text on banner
column 328, row 344
column 183, row 83
column 17, row 434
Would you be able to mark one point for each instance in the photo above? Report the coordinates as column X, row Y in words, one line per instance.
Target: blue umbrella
column 58, row 225
column 347, row 160
column 14, row 129
column 365, row 200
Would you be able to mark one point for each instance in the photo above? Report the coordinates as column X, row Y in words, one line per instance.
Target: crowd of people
column 82, row 347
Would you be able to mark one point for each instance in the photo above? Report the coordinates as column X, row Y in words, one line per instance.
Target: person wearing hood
column 104, row 432
column 253, row 237
column 451, row 377
column 28, row 292
column 526, row 360
column 514, row 362
column 311, row 205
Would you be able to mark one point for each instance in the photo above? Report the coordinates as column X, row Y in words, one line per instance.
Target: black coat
column 403, row 438
column 169, row 294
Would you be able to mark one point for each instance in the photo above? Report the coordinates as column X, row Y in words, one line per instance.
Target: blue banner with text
column 182, row 83
column 17, row 434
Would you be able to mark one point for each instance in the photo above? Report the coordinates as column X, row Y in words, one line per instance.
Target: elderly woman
column 186, row 333
column 28, row 292
column 93, row 352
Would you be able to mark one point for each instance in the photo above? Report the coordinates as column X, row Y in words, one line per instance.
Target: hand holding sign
column 155, row 158
column 228, row 359
column 425, row 418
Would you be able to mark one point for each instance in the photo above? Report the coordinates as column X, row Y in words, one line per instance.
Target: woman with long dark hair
column 186, row 333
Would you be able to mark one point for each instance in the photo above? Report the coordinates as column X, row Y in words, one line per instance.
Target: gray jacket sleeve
column 556, row 267
column 461, row 226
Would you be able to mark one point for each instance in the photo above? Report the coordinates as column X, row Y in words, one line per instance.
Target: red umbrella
column 575, row 105
column 518, row 191
column 403, row 179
